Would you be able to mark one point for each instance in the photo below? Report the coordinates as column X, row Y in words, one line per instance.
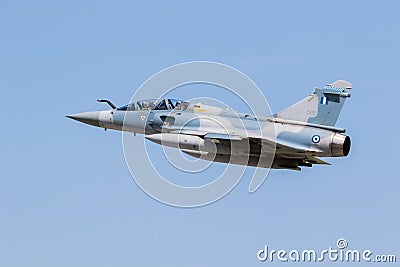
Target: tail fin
column 322, row 107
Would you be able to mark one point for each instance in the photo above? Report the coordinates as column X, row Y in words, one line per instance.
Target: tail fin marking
column 323, row 107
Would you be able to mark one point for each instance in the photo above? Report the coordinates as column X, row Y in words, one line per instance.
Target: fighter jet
column 293, row 138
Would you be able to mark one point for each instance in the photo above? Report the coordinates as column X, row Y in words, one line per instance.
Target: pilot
column 152, row 105
column 131, row 106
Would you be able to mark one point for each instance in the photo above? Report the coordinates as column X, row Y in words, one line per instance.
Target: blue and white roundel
column 316, row 138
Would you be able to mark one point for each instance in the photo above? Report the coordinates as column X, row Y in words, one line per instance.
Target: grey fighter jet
column 294, row 137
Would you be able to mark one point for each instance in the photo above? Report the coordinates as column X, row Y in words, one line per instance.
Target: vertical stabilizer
column 321, row 107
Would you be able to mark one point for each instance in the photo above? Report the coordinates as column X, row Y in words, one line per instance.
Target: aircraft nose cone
column 91, row 118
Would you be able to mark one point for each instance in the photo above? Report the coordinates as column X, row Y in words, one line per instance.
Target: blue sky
column 66, row 196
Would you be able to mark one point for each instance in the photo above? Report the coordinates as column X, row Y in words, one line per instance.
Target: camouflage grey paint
column 300, row 133
column 323, row 107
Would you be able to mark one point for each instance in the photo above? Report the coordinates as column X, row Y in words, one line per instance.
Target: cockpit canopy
column 152, row 104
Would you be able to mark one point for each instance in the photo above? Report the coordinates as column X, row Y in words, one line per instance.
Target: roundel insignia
column 315, row 139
